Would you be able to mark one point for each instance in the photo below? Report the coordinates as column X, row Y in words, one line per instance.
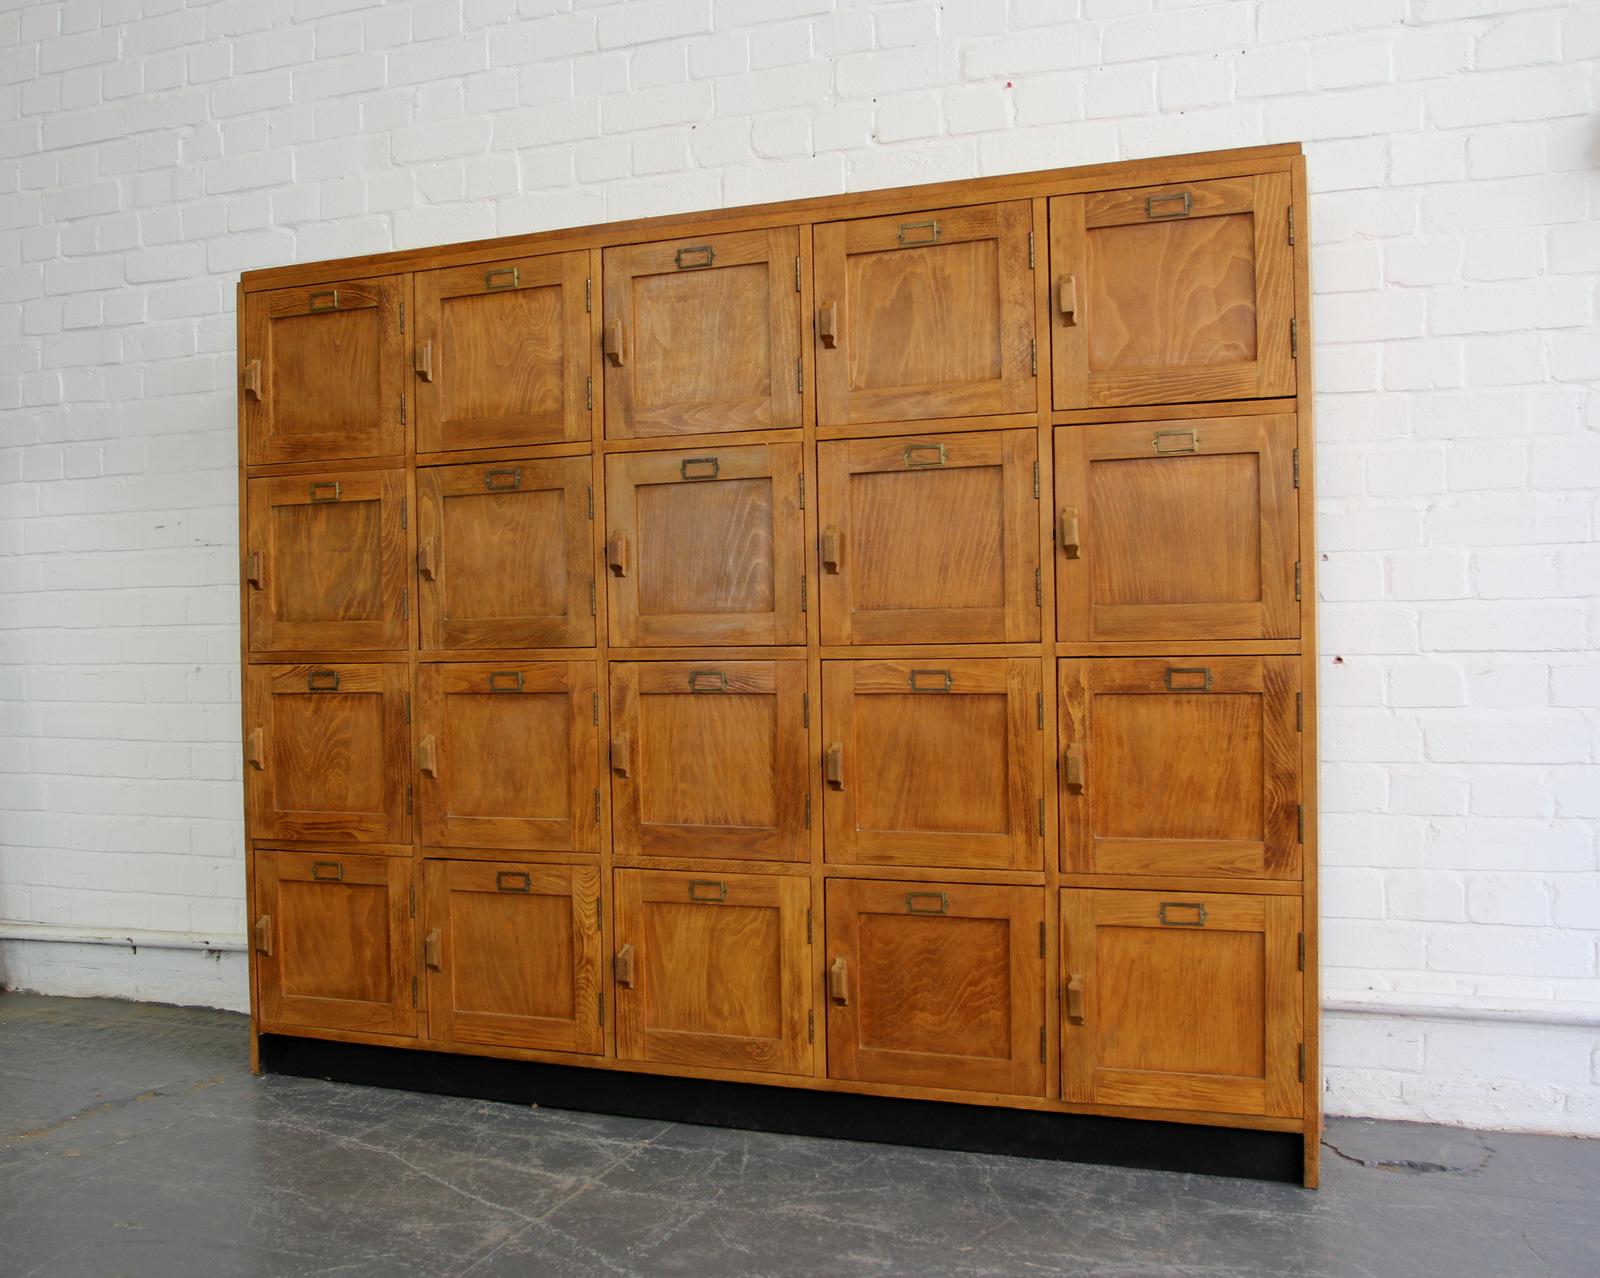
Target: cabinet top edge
column 1194, row 166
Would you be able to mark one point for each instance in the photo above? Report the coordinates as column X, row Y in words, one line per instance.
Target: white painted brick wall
column 151, row 149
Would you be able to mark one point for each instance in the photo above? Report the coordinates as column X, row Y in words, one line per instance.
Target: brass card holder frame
column 909, row 240
column 503, row 277
column 690, row 463
column 513, row 881
column 322, row 681
column 911, row 455
column 681, row 257
column 701, row 681
column 940, row 903
column 505, row 681
column 716, row 895
column 1182, row 199
column 946, row 681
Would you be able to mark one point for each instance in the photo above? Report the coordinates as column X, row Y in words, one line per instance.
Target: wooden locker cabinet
column 501, row 353
column 929, row 539
column 320, row 372
column 512, row 954
column 326, row 751
column 705, row 546
column 1172, row 294
column 936, row 985
column 1181, row 766
column 714, row 969
column 505, row 554
column 508, row 755
column 1182, row 1000
column 1178, row 530
column 933, row 762
column 326, row 562
column 703, row 334
column 710, row 759
column 926, row 314
column 333, row 940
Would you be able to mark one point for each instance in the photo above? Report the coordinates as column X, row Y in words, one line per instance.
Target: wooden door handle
column 1069, row 531
column 839, row 981
column 832, row 549
column 828, row 324
column 255, row 749
column 1075, row 769
column 428, row 757
column 1075, row 998
column 617, row 554
column 264, row 935
column 622, row 966
column 621, row 752
column 252, row 379
column 833, row 765
column 422, row 360
column 1067, row 299
column 252, row 569
column 427, row 559
column 614, row 347
column 431, row 948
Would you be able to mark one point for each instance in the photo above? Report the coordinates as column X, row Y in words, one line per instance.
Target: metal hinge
column 1296, row 464
column 799, row 374
column 411, row 894
column 808, row 811
column 1038, row 586
column 594, row 706
column 1294, row 338
column 588, row 295
column 408, row 707
column 805, row 709
column 402, row 408
column 1033, row 357
column 1041, row 940
column 803, row 592
column 589, row 491
column 410, row 797
column 1041, row 818
column 1041, row 1044
column 811, row 1025
column 597, row 803
column 1300, row 965
column 588, row 394
column 1030, row 250
column 600, row 1010
column 802, row 491
column 591, row 600
column 405, row 603
column 1039, row 697
column 808, row 925
column 402, row 318
column 413, row 991
column 1297, row 580
column 405, row 512
column 1291, row 224
column 1036, row 481
column 1302, row 1062
column 1300, row 822
column 797, row 275
column 1299, row 712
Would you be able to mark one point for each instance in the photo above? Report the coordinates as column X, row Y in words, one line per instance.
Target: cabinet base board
column 1077, row 1138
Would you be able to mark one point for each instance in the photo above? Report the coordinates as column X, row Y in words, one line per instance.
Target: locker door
column 703, row 334
column 321, row 372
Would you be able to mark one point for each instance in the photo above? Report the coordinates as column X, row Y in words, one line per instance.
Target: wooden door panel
column 930, row 540
column 326, row 562
column 933, row 763
column 1181, row 766
column 936, row 985
column 513, row 955
column 714, row 970
column 333, row 941
column 502, row 353
column 705, row 546
column 504, row 555
column 508, row 755
column 925, row 315
column 1172, row 294
column 710, row 759
column 326, row 750
column 1177, row 530
column 321, row 372
column 1182, row 1000
column 703, row 334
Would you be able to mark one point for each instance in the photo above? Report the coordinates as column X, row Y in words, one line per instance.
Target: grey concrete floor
column 133, row 1141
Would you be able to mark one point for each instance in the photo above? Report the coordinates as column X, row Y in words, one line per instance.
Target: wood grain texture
column 929, row 539
column 508, row 755
column 338, row 948
column 519, row 954
column 943, row 985
column 505, row 555
column 1194, row 545
column 934, row 315
column 720, row 974
column 709, row 348
column 330, row 381
column 718, row 761
column 1188, row 1000
column 506, row 351
column 1191, row 766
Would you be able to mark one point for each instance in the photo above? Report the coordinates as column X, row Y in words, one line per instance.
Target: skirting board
column 1078, row 1138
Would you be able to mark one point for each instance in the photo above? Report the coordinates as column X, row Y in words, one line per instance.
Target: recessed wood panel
column 1177, row 530
column 703, row 334
column 714, row 969
column 326, row 751
column 709, row 759
column 924, row 315
column 326, row 562
column 321, row 372
column 505, row 555
column 704, row 546
column 333, row 941
column 1182, row 1000
column 933, row 763
column 1172, row 294
column 936, row 984
column 1181, row 766
column 501, row 354
column 513, row 954
column 508, row 755
column 929, row 539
